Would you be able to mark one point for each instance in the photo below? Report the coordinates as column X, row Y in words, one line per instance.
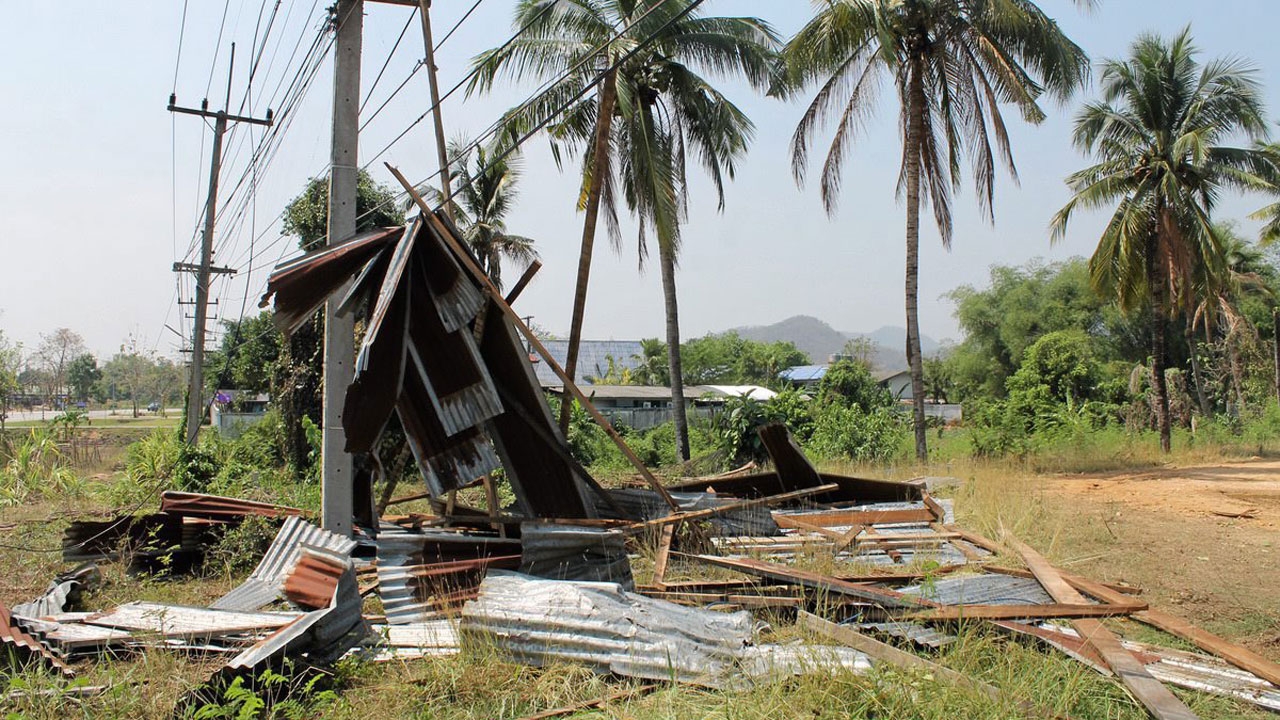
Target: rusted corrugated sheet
column 214, row 507
column 301, row 286
column 103, row 540
column 264, row 585
column 314, row 579
column 26, row 647
column 458, row 401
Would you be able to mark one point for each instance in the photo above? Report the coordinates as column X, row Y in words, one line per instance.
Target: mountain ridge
column 819, row 340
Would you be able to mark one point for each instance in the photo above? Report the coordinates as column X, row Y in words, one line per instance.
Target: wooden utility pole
column 1275, row 337
column 195, row 387
column 441, row 152
column 337, row 499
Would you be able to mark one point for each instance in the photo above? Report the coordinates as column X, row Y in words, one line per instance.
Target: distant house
column 234, row 410
column 803, row 377
column 593, row 359
column 644, row 406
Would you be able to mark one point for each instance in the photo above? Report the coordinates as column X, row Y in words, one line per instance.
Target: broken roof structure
column 439, row 354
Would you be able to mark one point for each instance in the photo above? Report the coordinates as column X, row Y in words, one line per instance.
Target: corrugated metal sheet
column 314, row 579
column 982, row 590
column 179, row 621
column 102, row 540
column 599, row 624
column 640, row 504
column 214, row 507
column 911, row 632
column 436, row 638
column 63, row 592
column 265, row 584
column 566, row 552
column 415, row 593
column 429, row 546
column 770, row 663
column 26, row 647
column 593, row 359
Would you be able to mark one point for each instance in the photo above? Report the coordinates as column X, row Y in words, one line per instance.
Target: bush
column 34, row 467
column 154, row 457
column 848, row 432
column 733, row 429
column 850, row 383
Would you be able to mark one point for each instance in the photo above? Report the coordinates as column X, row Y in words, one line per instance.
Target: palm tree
column 1156, row 134
column 481, row 201
column 653, row 109
column 1218, row 300
column 953, row 63
column 1270, row 215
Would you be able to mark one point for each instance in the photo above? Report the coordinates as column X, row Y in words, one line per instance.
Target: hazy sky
column 102, row 187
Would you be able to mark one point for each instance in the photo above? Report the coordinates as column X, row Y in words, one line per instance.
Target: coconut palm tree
column 953, row 64
column 655, row 107
column 485, row 189
column 1157, row 135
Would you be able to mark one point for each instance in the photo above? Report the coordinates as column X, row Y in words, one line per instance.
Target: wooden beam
column 496, row 295
column 795, row 576
column 1017, row 612
column 1154, row 696
column 742, row 505
column 664, row 554
column 842, row 518
column 1241, row 657
column 973, row 538
column 883, row 652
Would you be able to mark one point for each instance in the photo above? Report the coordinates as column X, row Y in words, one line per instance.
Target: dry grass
column 1228, row 594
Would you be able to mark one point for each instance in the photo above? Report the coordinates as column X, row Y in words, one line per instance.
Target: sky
column 101, row 189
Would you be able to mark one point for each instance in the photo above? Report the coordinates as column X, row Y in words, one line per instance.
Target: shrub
column 849, row 432
column 34, row 467
column 154, row 457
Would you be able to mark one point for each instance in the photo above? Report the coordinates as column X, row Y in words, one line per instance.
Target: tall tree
column 953, row 63
column 652, row 108
column 484, row 182
column 1157, row 135
column 296, row 382
column 82, row 373
column 55, row 354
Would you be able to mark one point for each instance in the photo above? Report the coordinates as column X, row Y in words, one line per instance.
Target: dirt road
column 1203, row 540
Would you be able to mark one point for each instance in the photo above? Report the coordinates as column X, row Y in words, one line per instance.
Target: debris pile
column 553, row 576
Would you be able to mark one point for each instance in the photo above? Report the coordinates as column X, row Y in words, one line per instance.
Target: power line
column 387, row 62
column 457, row 25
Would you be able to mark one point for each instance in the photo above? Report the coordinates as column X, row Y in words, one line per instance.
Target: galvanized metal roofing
column 265, row 584
column 982, row 590
column 803, row 373
column 593, row 359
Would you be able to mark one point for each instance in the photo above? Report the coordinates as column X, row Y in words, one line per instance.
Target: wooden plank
column 742, row 505
column 974, row 538
column 664, row 554
column 1241, row 657
column 1154, row 696
column 939, row 512
column 828, row 533
column 594, row 703
column 841, row 518
column 1106, row 592
column 886, row 653
column 1014, row 612
column 816, row 581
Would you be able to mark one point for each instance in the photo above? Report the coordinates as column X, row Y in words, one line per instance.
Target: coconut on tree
column 1159, row 136
column 953, row 65
column 655, row 106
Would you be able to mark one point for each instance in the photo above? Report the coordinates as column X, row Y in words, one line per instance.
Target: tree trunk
column 1237, row 372
column 604, row 121
column 915, row 360
column 1155, row 281
column 1201, row 396
column 495, row 267
column 668, row 262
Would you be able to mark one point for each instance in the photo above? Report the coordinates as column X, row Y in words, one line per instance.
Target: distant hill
column 820, row 340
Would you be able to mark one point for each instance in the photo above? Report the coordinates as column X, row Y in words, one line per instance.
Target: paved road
column 123, row 413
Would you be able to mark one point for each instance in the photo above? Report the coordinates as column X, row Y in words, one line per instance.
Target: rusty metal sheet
column 28, row 648
column 302, row 285
column 314, row 578
column 214, row 507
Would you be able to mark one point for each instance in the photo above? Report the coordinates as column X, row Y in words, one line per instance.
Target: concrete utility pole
column 441, row 152
column 337, row 501
column 195, row 387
